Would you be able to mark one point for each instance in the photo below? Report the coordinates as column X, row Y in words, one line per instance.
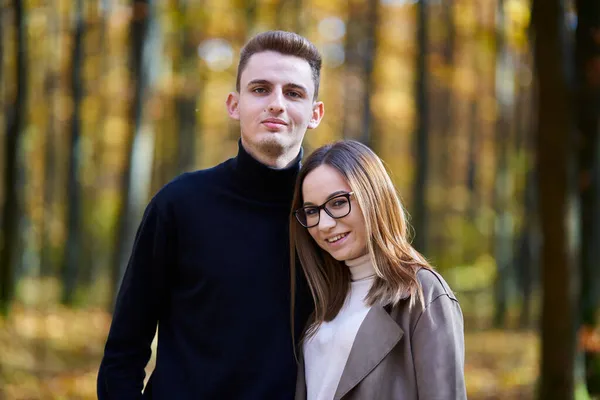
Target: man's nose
column 325, row 221
column 276, row 105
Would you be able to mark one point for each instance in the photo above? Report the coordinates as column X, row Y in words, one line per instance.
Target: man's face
column 275, row 104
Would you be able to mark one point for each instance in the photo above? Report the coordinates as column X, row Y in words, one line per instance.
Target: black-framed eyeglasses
column 336, row 207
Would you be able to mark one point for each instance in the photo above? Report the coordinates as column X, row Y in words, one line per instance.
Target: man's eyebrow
column 332, row 195
column 297, row 86
column 287, row 85
column 259, row 82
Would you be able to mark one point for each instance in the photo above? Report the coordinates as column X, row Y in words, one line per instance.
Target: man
column 210, row 263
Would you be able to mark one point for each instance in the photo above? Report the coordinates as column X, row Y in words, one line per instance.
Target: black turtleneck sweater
column 210, row 266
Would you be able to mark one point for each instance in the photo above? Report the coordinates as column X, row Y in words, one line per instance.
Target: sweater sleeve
column 439, row 351
column 137, row 309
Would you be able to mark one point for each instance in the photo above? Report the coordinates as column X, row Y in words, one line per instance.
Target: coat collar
column 377, row 336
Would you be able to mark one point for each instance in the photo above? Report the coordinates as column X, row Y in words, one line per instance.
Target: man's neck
column 278, row 161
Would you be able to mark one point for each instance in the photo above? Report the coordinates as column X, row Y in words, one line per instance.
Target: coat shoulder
column 433, row 285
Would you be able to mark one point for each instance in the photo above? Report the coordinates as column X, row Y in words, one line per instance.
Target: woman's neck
column 361, row 267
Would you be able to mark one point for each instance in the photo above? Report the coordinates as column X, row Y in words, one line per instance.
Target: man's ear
column 317, row 114
column 232, row 102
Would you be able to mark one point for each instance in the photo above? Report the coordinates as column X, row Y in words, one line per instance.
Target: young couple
column 210, row 267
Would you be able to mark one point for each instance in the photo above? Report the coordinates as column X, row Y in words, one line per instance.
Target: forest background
column 485, row 111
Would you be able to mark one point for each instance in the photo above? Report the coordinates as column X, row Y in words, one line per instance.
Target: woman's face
column 344, row 238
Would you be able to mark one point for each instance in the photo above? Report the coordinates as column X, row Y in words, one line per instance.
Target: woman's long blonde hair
column 395, row 261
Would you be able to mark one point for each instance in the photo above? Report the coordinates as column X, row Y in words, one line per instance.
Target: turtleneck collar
column 361, row 268
column 261, row 182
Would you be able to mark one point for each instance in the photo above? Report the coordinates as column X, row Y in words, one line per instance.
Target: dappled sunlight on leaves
column 51, row 354
column 501, row 364
column 55, row 353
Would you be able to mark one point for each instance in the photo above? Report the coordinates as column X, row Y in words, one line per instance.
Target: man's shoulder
column 190, row 184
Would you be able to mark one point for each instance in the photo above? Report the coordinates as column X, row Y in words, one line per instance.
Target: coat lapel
column 376, row 337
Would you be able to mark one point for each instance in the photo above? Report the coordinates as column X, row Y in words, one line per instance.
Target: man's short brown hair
column 287, row 43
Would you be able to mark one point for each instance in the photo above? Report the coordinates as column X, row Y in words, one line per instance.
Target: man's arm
column 140, row 298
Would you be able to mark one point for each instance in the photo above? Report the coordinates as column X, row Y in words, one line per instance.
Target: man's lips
column 274, row 121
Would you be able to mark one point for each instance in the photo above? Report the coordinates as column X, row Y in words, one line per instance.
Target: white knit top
column 326, row 353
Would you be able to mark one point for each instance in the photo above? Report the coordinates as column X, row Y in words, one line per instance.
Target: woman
column 385, row 325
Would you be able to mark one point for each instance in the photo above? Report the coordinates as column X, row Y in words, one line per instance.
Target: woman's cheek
column 314, row 237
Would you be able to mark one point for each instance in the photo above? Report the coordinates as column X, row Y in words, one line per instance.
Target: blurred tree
column 2, row 36
column 93, row 251
column 166, row 163
column 127, row 216
column 448, row 94
column 72, row 258
column 554, row 156
column 47, row 261
column 370, row 49
column 419, row 201
column 446, row 121
column 15, row 117
column 527, row 250
column 526, row 241
column 474, row 130
column 290, row 11
column 474, row 126
column 503, row 225
column 251, row 15
column 587, row 67
column 360, row 48
column 187, row 102
column 47, row 264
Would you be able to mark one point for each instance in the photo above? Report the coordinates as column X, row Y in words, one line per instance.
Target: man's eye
column 294, row 94
column 259, row 90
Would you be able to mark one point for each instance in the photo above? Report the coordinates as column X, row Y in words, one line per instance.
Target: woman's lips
column 339, row 242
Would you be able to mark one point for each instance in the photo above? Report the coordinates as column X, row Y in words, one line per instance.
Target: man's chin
column 273, row 144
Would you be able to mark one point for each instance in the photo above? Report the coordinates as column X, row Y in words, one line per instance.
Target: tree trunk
column 127, row 215
column 93, row 253
column 11, row 210
column 47, row 265
column 446, row 124
column 474, row 129
column 419, row 202
column 366, row 135
column 186, row 102
column 528, row 259
column 472, row 165
column 558, row 347
column 587, row 64
column 447, row 103
column 356, row 48
column 251, row 13
column 299, row 20
column 503, row 224
column 526, row 256
column 361, row 46
column 73, row 246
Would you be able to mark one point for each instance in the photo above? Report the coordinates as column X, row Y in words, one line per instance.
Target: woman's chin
column 339, row 256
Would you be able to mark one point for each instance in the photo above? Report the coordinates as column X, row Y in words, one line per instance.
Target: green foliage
column 472, row 277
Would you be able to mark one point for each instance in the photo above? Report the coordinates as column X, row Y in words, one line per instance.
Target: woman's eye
column 310, row 211
column 339, row 203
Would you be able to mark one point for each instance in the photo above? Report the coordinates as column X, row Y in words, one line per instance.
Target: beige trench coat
column 406, row 354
